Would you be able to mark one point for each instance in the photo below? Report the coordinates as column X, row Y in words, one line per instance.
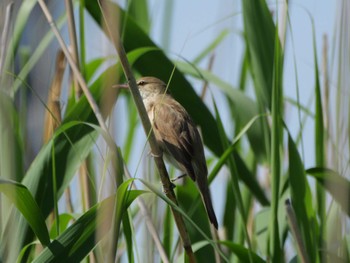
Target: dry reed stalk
column 53, row 111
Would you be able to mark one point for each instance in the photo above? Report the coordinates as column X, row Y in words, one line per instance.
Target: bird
column 177, row 136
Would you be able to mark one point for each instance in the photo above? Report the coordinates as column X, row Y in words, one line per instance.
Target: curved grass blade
column 72, row 145
column 335, row 184
column 25, row 250
column 128, row 237
column 260, row 38
column 211, row 46
column 138, row 10
column 241, row 252
column 236, row 189
column 80, row 238
column 276, row 146
column 245, row 175
column 302, row 200
column 25, row 203
column 64, row 220
column 92, row 66
column 319, row 146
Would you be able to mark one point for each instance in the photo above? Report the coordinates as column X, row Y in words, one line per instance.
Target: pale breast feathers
column 173, row 129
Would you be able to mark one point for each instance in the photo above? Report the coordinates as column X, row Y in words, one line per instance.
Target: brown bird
column 177, row 136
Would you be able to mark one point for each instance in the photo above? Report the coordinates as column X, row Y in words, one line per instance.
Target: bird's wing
column 174, row 129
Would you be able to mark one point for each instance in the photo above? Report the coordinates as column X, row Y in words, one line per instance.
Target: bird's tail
column 205, row 193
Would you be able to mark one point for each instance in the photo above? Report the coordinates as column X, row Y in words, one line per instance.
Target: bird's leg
column 177, row 178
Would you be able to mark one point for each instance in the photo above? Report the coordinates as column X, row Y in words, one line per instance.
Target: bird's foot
column 166, row 190
column 172, row 185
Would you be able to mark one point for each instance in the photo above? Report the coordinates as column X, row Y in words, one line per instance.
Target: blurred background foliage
column 68, row 193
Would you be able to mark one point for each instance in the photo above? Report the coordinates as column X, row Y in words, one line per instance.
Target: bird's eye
column 141, row 83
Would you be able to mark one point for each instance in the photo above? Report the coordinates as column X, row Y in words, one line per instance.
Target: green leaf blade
column 25, row 203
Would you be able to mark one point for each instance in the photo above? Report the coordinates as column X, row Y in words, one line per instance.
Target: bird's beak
column 121, row 86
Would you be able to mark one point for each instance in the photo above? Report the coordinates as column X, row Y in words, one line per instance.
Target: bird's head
column 151, row 86
column 148, row 87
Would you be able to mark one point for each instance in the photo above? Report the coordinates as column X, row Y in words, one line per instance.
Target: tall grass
column 274, row 208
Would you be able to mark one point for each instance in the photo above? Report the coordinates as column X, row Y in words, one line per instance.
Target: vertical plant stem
column 242, row 210
column 82, row 36
column 52, row 121
column 53, row 116
column 276, row 133
column 301, row 122
column 54, row 188
column 319, row 148
column 283, row 23
column 205, row 86
column 4, row 35
column 84, row 186
column 73, row 42
column 132, row 116
column 83, row 170
column 326, row 109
